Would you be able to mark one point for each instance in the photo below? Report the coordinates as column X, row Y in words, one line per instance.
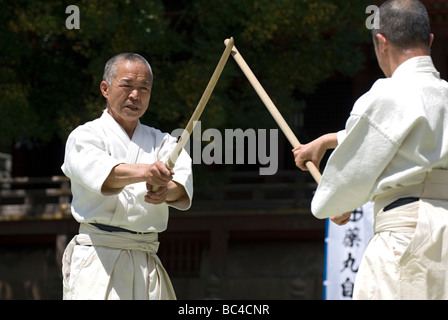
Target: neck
column 130, row 131
column 400, row 56
column 128, row 126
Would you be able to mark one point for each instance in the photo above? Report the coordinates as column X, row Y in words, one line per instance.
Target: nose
column 134, row 94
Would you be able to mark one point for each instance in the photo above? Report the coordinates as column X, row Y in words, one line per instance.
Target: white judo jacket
column 395, row 145
column 396, row 133
column 99, row 264
column 93, row 149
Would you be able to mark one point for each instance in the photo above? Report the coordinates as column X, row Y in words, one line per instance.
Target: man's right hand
column 314, row 151
column 123, row 174
column 157, row 174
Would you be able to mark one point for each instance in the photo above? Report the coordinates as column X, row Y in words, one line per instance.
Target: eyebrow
column 144, row 82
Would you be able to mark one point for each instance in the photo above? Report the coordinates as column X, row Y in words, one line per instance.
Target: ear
column 431, row 39
column 383, row 43
column 104, row 86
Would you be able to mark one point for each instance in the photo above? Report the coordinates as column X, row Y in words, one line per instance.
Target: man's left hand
column 156, row 197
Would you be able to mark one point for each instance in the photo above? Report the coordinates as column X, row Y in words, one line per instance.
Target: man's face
column 129, row 93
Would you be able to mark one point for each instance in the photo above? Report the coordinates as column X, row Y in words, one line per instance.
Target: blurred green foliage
column 50, row 75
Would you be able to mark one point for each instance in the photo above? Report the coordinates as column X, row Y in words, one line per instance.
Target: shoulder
column 156, row 135
column 90, row 132
column 88, row 127
column 153, row 132
column 377, row 103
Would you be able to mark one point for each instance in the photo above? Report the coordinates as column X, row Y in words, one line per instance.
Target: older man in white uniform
column 394, row 151
column 112, row 163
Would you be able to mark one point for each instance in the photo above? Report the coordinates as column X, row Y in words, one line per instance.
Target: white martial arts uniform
column 117, row 265
column 395, row 145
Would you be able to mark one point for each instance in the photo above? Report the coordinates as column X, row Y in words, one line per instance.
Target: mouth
column 132, row 107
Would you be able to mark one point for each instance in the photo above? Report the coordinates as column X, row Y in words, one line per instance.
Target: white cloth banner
column 344, row 248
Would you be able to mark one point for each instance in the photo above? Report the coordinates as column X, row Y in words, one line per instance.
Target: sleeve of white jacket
column 86, row 159
column 341, row 136
column 352, row 169
column 183, row 173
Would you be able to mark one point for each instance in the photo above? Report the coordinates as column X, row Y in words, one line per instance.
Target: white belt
column 400, row 219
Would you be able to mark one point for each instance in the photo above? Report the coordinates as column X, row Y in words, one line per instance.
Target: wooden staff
column 271, row 107
column 171, row 161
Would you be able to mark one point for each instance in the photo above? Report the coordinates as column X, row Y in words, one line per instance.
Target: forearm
column 329, row 140
column 175, row 191
column 123, row 175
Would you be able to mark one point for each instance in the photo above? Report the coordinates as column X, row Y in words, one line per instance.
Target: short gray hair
column 405, row 23
column 110, row 70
